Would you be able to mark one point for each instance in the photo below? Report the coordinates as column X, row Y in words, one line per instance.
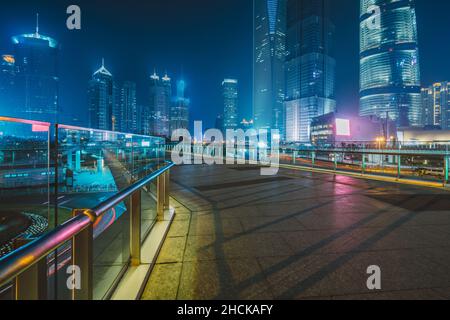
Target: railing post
column 160, row 196
column 32, row 284
column 399, row 166
column 446, row 168
column 335, row 161
column 363, row 164
column 167, row 190
column 82, row 257
column 135, row 228
column 313, row 159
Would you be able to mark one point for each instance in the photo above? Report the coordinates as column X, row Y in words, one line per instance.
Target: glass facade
column 158, row 114
column 101, row 98
column 179, row 117
column 389, row 65
column 37, row 79
column 310, row 68
column 269, row 55
column 230, row 97
column 436, row 105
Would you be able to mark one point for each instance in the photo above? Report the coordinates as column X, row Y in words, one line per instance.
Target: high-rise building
column 389, row 62
column 7, row 87
column 101, row 95
column 310, row 68
column 179, row 117
column 436, row 105
column 230, row 108
column 158, row 114
column 128, row 108
column 268, row 58
column 37, row 78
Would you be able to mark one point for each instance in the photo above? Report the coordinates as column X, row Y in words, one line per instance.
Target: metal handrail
column 20, row 260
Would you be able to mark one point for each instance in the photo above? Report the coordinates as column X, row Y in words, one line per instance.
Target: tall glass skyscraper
column 101, row 97
column 128, row 108
column 436, row 105
column 159, row 107
column 230, row 99
column 7, row 85
column 389, row 65
column 179, row 116
column 269, row 54
column 37, row 79
column 310, row 68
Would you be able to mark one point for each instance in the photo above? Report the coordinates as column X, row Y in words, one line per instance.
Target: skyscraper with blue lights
column 128, row 108
column 389, row 62
column 158, row 115
column 268, row 58
column 7, row 85
column 101, row 95
column 230, row 100
column 179, row 116
column 310, row 67
column 37, row 79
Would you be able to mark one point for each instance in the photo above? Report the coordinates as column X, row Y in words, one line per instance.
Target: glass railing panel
column 148, row 155
column 26, row 181
column 148, row 209
column 111, row 249
column 58, row 263
column 423, row 167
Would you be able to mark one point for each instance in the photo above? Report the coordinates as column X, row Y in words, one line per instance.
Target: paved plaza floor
column 301, row 235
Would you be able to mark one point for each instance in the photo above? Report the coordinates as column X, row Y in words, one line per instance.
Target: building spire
column 103, row 62
column 37, row 24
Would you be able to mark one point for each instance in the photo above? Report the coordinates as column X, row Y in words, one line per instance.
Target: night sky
column 200, row 41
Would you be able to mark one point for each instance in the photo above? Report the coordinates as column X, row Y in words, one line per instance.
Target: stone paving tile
column 205, row 280
column 210, row 225
column 179, row 228
column 172, row 250
column 163, row 282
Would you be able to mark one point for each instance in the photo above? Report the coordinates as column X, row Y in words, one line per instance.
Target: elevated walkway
column 301, row 235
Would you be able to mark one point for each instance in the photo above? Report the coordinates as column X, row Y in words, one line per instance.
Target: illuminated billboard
column 343, row 127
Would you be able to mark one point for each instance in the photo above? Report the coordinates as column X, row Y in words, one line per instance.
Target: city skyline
column 206, row 104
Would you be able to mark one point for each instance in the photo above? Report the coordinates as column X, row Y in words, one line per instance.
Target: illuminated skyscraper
column 128, row 108
column 389, row 61
column 436, row 105
column 37, row 79
column 158, row 115
column 230, row 98
column 7, row 87
column 310, row 69
column 268, row 71
column 101, row 97
column 179, row 117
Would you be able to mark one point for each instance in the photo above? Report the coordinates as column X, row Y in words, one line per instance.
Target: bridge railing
column 428, row 162
column 50, row 172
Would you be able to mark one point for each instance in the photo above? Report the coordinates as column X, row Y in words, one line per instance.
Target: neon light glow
column 343, row 127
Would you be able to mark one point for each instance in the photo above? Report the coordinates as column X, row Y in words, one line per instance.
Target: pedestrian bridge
column 124, row 223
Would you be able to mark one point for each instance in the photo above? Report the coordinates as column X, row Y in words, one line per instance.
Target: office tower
column 389, row 62
column 101, row 95
column 7, row 87
column 158, row 113
column 268, row 58
column 310, row 68
column 37, row 79
column 230, row 108
column 128, row 108
column 436, row 105
column 179, row 118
